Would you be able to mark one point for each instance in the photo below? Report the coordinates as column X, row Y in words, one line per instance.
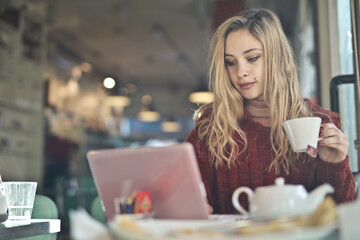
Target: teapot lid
column 280, row 185
column 282, row 191
column 280, row 181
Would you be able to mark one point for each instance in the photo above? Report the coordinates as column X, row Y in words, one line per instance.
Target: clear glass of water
column 20, row 198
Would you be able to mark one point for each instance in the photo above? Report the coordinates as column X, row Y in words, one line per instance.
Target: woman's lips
column 246, row 85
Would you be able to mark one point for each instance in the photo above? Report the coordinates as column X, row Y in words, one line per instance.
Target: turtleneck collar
column 259, row 111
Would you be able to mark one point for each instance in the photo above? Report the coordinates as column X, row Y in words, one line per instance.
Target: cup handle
column 235, row 199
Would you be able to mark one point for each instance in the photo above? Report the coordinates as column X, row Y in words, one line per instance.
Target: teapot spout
column 317, row 196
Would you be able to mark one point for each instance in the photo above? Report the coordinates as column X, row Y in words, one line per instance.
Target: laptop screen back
column 170, row 173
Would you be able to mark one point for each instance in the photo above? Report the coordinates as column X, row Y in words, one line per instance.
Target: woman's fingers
column 335, row 144
column 331, row 132
column 334, row 140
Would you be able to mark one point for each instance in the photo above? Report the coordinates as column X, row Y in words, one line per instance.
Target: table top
column 15, row 229
column 165, row 229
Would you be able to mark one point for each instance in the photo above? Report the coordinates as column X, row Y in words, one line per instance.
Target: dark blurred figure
column 58, row 153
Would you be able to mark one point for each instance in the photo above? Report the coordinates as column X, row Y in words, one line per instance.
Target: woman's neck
column 259, row 111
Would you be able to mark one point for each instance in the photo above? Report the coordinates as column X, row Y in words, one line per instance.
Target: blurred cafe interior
column 87, row 74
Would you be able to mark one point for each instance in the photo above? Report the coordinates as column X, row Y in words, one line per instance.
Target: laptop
column 170, row 173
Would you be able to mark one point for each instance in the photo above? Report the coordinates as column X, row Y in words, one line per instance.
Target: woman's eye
column 230, row 63
column 253, row 59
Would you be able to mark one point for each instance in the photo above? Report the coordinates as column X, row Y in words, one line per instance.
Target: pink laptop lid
column 170, row 173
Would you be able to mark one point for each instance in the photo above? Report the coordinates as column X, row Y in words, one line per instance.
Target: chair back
column 44, row 208
column 97, row 210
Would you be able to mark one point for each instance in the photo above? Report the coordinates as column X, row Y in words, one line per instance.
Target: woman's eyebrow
column 246, row 51
column 251, row 49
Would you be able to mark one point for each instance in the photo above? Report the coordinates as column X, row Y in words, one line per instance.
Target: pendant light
column 118, row 101
column 201, row 95
column 170, row 125
column 147, row 112
column 115, row 99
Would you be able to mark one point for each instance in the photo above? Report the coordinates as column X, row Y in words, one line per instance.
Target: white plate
column 214, row 229
column 309, row 233
column 271, row 217
column 162, row 229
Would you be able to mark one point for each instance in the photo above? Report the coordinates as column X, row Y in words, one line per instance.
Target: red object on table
column 143, row 202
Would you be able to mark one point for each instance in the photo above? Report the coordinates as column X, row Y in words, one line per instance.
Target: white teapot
column 280, row 199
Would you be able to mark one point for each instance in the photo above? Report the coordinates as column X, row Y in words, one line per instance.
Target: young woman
column 238, row 138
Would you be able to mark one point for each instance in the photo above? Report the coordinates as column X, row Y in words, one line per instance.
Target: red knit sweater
column 251, row 168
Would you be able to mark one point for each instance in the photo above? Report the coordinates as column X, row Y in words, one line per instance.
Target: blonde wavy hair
column 281, row 92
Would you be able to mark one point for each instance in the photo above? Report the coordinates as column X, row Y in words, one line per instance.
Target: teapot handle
column 235, row 199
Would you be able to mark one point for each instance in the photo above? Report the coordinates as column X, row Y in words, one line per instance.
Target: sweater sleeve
column 339, row 175
column 206, row 170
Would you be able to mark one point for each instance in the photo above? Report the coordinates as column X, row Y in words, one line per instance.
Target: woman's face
column 244, row 61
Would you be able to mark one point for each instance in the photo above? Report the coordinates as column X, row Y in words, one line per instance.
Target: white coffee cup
column 302, row 132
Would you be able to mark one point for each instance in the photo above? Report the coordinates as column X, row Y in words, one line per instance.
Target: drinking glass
column 20, row 198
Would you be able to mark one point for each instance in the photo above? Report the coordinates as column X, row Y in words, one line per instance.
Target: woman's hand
column 335, row 144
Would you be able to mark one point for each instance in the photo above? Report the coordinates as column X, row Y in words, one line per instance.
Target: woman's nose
column 242, row 71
